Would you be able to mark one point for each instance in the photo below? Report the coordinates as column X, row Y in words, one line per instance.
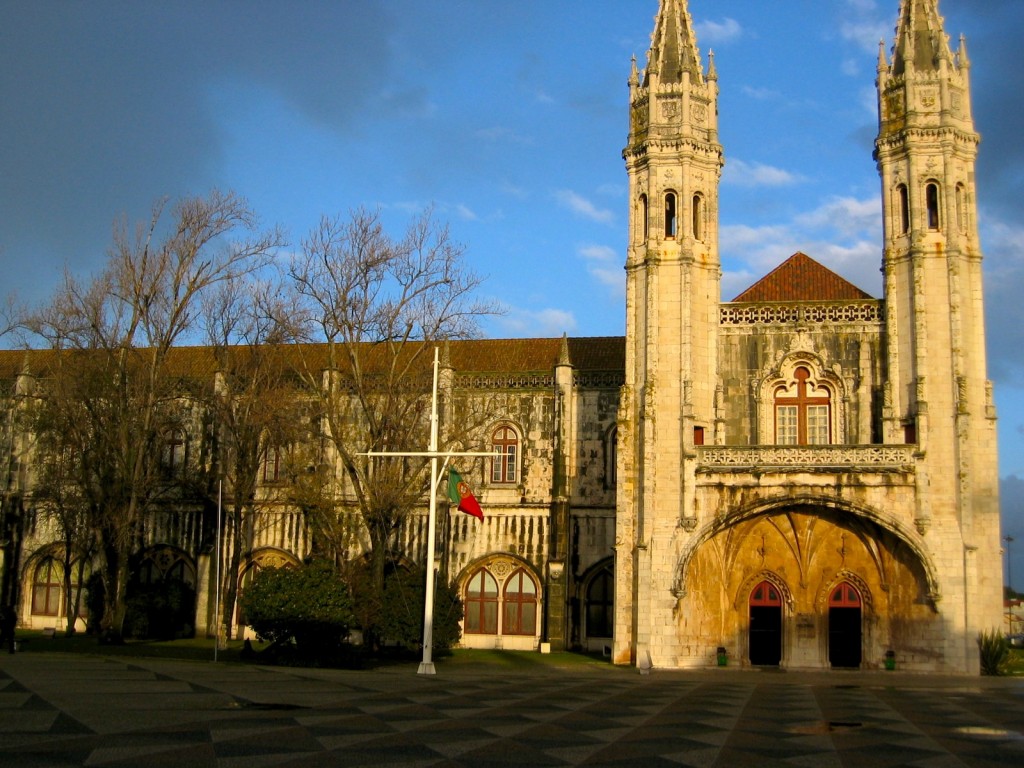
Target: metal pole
column 427, row 665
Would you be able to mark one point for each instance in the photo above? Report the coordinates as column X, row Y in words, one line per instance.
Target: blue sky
column 509, row 117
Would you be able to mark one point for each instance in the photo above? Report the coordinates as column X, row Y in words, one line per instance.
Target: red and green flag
column 462, row 496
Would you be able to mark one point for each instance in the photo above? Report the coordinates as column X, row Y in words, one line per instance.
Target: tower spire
column 673, row 51
column 921, row 41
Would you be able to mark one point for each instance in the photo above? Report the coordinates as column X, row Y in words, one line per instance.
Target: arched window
column 765, row 595
column 172, row 453
column 272, row 465
column 642, row 218
column 931, row 198
column 961, row 208
column 505, row 464
column 671, row 215
column 47, row 588
column 601, row 604
column 844, row 595
column 611, row 449
column 698, row 217
column 520, row 616
column 903, row 201
column 803, row 411
column 481, row 604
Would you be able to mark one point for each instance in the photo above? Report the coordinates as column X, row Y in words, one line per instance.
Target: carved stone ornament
column 670, row 109
column 689, row 524
column 699, row 113
column 929, row 98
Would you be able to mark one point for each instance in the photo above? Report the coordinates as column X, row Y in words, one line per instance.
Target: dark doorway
column 844, row 626
column 765, row 626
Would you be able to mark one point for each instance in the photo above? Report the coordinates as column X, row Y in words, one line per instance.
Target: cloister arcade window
column 931, row 197
column 47, row 588
column 671, row 215
column 165, row 563
column 803, row 411
column 520, row 614
column 481, row 604
column 272, row 465
column 172, row 453
column 505, row 464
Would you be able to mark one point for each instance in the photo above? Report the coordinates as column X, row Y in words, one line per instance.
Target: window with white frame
column 505, row 464
column 803, row 411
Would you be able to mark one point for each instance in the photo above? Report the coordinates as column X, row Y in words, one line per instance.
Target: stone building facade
column 804, row 476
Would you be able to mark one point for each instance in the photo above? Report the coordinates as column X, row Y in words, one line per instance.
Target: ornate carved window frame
column 784, row 375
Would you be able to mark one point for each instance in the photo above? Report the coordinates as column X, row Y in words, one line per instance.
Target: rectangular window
column 786, row 425
column 272, row 465
column 817, row 425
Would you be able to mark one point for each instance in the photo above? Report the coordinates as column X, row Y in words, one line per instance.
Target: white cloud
column 525, row 323
column 760, row 94
column 744, row 174
column 598, row 253
column 604, row 264
column 465, row 212
column 848, row 216
column 865, row 34
column 581, row 206
column 723, row 31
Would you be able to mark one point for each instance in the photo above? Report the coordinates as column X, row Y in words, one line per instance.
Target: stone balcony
column 823, row 458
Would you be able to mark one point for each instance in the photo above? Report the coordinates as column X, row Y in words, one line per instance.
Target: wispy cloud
column 581, row 206
column 844, row 234
column 745, row 174
column 848, row 216
column 550, row 321
column 604, row 264
column 723, row 31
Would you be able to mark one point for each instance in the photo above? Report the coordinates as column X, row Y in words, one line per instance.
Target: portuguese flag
column 461, row 495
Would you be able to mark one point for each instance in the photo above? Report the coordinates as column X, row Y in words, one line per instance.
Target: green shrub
column 401, row 617
column 310, row 606
column 163, row 610
column 994, row 650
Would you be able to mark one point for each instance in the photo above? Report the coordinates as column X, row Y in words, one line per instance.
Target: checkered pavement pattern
column 71, row 711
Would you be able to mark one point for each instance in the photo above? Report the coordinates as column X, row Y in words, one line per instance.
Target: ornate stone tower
column 937, row 393
column 674, row 163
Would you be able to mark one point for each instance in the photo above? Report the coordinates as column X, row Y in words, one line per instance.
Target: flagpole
column 427, row 665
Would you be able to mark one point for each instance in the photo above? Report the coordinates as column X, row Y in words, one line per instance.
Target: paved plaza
column 70, row 710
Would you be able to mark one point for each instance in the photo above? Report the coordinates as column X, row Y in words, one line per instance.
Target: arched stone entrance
column 765, row 625
column 844, row 626
column 805, row 552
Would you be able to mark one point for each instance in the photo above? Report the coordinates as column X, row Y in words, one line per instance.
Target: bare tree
column 256, row 408
column 110, row 379
column 376, row 304
column 59, row 498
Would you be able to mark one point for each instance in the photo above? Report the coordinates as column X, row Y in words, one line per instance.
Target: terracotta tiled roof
column 801, row 278
column 470, row 356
